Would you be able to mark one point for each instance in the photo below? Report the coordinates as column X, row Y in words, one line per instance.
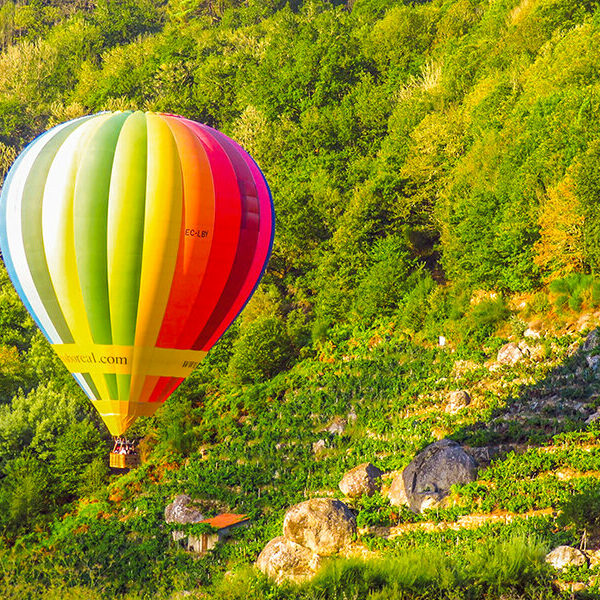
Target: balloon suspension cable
column 123, row 446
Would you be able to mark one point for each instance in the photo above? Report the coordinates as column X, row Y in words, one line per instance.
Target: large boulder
column 428, row 478
column 565, row 556
column 283, row 559
column 363, row 480
column 180, row 511
column 323, row 525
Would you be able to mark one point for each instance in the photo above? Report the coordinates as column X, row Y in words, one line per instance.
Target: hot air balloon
column 134, row 240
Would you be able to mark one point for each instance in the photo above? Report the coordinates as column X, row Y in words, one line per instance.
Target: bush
column 262, row 350
column 385, row 280
column 25, row 492
column 575, row 291
column 581, row 513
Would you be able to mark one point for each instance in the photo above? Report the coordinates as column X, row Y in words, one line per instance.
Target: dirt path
column 472, row 521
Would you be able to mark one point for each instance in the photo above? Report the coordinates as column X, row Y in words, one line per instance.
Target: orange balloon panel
column 134, row 240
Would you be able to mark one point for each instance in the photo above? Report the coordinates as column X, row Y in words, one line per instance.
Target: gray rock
column 428, row 478
column 319, row 446
column 397, row 492
column 565, row 556
column 283, row 560
column 531, row 333
column 592, row 418
column 510, row 354
column 337, row 426
column 363, row 480
column 483, row 455
column 457, row 400
column 591, row 341
column 323, row 525
column 593, row 362
column 179, row 511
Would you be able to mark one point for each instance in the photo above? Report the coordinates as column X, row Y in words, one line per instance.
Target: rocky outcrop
column 428, row 478
column 312, row 529
column 593, row 362
column 457, row 400
column 510, row 354
column 591, row 341
column 283, row 559
column 323, row 525
column 565, row 556
column 592, row 418
column 180, row 511
column 363, row 480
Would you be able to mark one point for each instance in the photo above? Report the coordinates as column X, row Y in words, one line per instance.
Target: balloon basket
column 123, row 461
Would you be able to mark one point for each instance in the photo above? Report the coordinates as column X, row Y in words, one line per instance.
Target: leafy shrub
column 581, row 512
column 375, row 510
column 479, row 321
column 385, row 280
column 25, row 493
column 262, row 350
column 575, row 290
column 415, row 306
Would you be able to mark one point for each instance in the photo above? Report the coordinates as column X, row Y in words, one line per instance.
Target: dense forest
column 434, row 169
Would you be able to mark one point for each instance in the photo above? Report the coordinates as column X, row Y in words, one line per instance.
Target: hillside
column 433, row 168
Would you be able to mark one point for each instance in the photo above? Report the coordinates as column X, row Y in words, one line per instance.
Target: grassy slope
column 261, row 460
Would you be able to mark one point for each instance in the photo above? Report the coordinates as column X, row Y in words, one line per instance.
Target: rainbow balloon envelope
column 134, row 240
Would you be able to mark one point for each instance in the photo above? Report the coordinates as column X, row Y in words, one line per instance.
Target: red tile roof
column 225, row 520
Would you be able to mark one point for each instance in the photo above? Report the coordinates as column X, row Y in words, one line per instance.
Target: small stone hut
column 223, row 523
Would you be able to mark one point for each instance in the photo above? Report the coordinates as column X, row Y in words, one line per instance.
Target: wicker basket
column 124, row 461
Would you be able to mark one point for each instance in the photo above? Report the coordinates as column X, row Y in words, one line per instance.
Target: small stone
column 457, row 400
column 337, row 426
column 319, row 446
column 363, row 480
column 509, row 354
column 441, row 341
column 430, row 500
column 570, row 586
column 566, row 556
column 531, row 333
